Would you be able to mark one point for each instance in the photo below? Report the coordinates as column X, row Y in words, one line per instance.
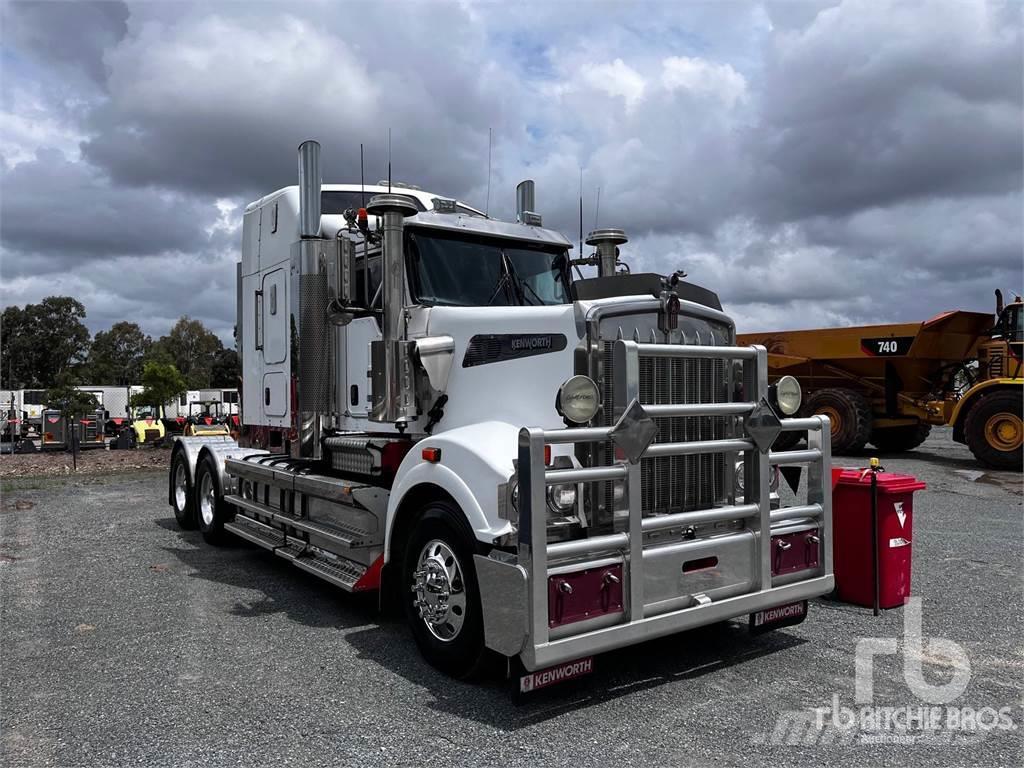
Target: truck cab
column 538, row 466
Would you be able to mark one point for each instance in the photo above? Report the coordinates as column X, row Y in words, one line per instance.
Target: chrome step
column 256, row 532
column 340, row 534
column 292, row 549
column 341, row 573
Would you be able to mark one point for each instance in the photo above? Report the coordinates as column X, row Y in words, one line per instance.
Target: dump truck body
column 886, row 384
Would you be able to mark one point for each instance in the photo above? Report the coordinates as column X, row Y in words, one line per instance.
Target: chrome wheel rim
column 207, row 500
column 439, row 591
column 180, row 488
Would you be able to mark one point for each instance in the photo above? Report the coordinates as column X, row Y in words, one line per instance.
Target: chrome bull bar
column 535, row 554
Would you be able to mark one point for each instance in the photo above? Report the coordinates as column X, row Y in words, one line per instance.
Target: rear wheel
column 897, row 439
column 440, row 593
column 849, row 416
column 181, row 493
column 211, row 509
column 995, row 431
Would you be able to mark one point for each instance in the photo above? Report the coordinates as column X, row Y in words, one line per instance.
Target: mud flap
column 780, row 616
column 523, row 684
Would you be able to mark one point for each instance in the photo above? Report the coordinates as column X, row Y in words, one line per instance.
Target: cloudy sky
column 816, row 163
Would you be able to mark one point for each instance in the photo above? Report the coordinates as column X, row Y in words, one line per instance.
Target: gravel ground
column 126, row 641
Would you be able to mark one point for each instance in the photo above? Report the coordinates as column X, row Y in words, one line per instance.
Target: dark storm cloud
column 810, row 161
column 67, row 36
column 867, row 107
column 69, row 212
column 187, row 111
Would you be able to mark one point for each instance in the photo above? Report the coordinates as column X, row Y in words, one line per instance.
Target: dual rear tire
column 198, row 502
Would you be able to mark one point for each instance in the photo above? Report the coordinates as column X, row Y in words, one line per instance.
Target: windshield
column 454, row 270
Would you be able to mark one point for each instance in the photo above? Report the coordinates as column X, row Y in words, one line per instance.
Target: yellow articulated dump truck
column 888, row 384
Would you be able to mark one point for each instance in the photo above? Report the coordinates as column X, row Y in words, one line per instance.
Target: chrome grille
column 677, row 483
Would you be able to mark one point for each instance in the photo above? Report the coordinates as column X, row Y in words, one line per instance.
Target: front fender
column 475, row 460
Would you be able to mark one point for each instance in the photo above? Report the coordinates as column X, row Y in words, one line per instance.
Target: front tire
column 211, row 509
column 182, row 493
column 994, row 430
column 440, row 593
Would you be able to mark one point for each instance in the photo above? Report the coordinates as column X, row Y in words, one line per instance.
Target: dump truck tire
column 994, row 430
column 898, row 439
column 849, row 414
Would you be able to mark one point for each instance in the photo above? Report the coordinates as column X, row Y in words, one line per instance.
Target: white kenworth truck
column 537, row 466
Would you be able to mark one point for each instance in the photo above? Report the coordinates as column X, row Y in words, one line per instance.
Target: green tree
column 71, row 402
column 42, row 341
column 226, row 369
column 116, row 355
column 161, row 383
column 193, row 349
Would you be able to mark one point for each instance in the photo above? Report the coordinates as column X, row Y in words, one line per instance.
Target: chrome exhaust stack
column 607, row 242
column 311, row 347
column 309, row 189
column 393, row 377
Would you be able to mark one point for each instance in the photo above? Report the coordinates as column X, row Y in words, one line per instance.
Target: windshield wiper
column 521, row 283
column 506, row 272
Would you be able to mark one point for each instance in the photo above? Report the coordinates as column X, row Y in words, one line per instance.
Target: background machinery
column 888, row 384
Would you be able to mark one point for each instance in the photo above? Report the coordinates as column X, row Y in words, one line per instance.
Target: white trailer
column 539, row 467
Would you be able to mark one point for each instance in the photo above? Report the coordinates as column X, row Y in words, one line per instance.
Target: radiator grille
column 676, row 483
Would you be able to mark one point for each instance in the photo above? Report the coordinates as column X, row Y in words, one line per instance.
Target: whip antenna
column 487, row 205
column 362, row 178
column 389, row 161
column 597, row 207
column 581, row 213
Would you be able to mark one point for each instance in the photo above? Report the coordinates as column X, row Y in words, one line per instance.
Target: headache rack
column 743, row 578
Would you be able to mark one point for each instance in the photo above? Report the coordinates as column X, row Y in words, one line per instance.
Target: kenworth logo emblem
column 531, row 342
column 552, row 675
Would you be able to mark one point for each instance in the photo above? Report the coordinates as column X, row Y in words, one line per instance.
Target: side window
column 364, row 292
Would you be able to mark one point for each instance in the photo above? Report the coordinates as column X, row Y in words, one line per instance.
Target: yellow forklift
column 888, row 384
column 205, row 418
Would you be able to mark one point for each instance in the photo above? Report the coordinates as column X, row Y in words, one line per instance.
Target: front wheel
column 995, row 431
column 440, row 592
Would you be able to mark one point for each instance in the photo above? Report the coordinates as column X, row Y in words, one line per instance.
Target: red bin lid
column 888, row 482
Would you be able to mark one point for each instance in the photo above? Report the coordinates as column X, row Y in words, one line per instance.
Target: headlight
column 773, row 479
column 577, row 399
column 788, row 395
column 561, row 498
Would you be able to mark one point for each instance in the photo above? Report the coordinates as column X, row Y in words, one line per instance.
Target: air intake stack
column 391, row 358
column 607, row 242
column 526, row 203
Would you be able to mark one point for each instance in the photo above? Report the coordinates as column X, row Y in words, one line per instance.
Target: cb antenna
column 581, row 213
column 487, row 205
column 362, row 178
